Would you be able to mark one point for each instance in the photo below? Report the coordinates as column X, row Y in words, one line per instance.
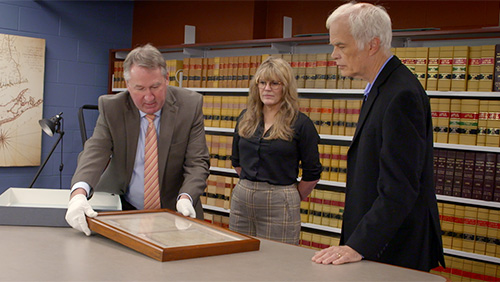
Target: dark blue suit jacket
column 391, row 212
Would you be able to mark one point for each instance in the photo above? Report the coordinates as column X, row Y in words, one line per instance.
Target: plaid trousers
column 267, row 211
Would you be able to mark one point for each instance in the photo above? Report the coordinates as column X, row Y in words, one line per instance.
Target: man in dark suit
column 391, row 213
column 113, row 159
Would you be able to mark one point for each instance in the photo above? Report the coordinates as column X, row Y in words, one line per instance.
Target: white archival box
column 46, row 207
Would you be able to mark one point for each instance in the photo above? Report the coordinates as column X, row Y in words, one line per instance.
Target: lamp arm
column 61, row 133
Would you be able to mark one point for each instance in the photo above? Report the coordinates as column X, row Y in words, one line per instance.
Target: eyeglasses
column 273, row 84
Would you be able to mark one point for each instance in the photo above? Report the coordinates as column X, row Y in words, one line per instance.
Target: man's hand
column 78, row 208
column 185, row 207
column 336, row 255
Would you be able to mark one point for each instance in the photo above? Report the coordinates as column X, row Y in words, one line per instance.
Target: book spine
column 482, row 122
column 487, row 67
column 440, row 171
column 443, row 120
column 321, row 66
column 459, row 69
column 331, row 73
column 208, row 104
column 446, row 217
column 432, row 69
column 334, row 163
column 458, row 227
column 445, row 68
column 343, row 164
column 458, row 174
column 449, row 172
column 496, row 74
column 469, row 232
column 468, row 174
column 478, row 182
column 474, row 74
column 326, row 116
column 496, row 191
column 302, row 65
column 469, row 115
column 454, row 124
column 310, row 71
column 489, row 176
column 421, row 60
column 315, row 112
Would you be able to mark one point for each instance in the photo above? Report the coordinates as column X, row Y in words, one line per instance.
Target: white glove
column 78, row 207
column 185, row 207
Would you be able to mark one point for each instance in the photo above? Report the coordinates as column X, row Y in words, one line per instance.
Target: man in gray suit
column 113, row 158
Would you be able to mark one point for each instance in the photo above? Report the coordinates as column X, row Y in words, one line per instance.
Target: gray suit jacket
column 182, row 151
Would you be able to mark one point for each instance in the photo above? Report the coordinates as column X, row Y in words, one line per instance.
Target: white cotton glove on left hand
column 185, row 207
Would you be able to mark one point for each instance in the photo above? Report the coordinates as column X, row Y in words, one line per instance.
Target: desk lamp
column 51, row 126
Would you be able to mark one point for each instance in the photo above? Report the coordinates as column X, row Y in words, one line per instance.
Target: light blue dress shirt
column 135, row 193
column 368, row 87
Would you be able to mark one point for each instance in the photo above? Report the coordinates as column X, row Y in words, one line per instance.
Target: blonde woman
column 272, row 138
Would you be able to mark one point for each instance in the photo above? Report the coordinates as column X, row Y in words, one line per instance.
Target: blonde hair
column 275, row 69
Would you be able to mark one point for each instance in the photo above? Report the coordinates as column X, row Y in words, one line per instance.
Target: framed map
column 22, row 64
column 165, row 235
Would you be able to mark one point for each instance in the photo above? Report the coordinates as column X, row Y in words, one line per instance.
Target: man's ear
column 374, row 45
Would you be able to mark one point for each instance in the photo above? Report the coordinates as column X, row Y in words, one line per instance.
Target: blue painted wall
column 78, row 37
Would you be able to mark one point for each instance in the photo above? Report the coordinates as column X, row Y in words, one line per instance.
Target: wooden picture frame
column 165, row 235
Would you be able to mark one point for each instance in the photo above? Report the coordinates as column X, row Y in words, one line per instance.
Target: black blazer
column 391, row 212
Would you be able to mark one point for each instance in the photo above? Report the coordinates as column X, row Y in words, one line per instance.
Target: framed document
column 165, row 235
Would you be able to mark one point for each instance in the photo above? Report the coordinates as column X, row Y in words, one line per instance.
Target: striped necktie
column 151, row 184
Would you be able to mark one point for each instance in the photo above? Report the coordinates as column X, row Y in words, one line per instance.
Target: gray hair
column 145, row 56
column 366, row 21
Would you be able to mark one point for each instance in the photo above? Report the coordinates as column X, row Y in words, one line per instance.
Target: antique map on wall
column 22, row 64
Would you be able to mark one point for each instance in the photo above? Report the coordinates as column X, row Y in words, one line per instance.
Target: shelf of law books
column 462, row 83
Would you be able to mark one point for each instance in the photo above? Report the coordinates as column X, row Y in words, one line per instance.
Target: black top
column 277, row 161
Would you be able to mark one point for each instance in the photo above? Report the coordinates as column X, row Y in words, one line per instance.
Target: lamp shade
column 49, row 126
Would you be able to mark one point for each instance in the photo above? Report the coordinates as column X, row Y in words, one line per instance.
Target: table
column 64, row 254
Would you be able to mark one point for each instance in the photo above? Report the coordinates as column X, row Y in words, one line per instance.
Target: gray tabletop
column 64, row 254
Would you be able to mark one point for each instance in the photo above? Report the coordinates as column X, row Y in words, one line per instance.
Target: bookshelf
column 309, row 44
column 319, row 44
column 345, row 140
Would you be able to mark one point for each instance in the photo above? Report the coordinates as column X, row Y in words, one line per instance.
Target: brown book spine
column 449, row 172
column 478, row 182
column 434, row 162
column 468, row 178
column 496, row 192
column 440, row 171
column 489, row 176
column 496, row 75
column 458, row 174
